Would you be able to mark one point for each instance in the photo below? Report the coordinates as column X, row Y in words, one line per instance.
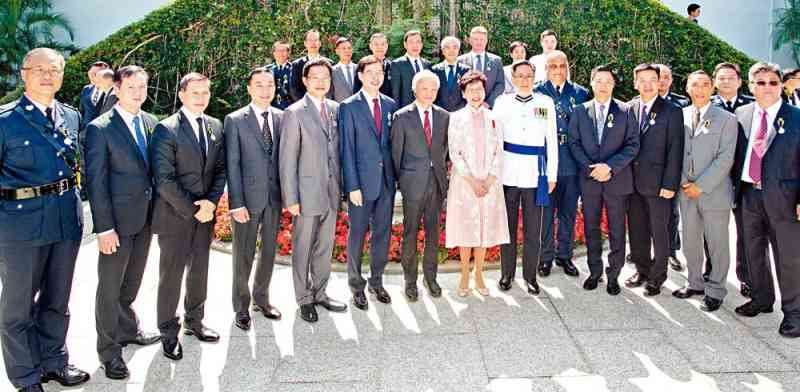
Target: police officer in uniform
column 38, row 194
column 282, row 69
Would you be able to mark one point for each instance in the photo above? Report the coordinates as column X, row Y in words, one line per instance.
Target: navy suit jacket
column 401, row 73
column 450, row 99
column 366, row 158
column 741, row 100
column 617, row 149
column 571, row 97
column 87, row 108
column 660, row 161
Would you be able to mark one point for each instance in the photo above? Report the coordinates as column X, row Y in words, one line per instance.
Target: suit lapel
column 747, row 120
column 593, row 117
column 211, row 141
column 652, row 114
column 366, row 111
column 188, row 133
column 252, row 123
column 276, row 131
column 781, row 117
column 313, row 113
column 119, row 126
column 612, row 113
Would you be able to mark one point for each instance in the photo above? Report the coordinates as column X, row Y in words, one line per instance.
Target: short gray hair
column 45, row 51
column 424, row 74
column 449, row 39
column 763, row 66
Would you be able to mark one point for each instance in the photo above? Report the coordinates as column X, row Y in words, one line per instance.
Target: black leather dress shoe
column 381, row 295
column 710, row 304
column 243, row 321
column 651, row 290
column 433, row 288
column 686, row 292
column 332, row 305
column 789, row 329
column 268, row 311
column 68, row 376
column 637, row 280
column 32, row 388
column 612, row 288
column 750, row 309
column 309, row 313
column 504, row 283
column 115, row 369
column 568, row 266
column 591, row 282
column 745, row 290
column 544, row 269
column 204, row 334
column 675, row 264
column 172, row 349
column 533, row 287
column 143, row 339
column 411, row 292
column 360, row 300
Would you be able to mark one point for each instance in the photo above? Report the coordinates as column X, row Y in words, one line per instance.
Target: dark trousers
column 377, row 215
column 119, row 277
column 616, row 208
column 772, row 222
column 187, row 250
column 674, row 221
column 648, row 218
column 427, row 209
column 33, row 329
column 532, row 228
column 262, row 225
column 564, row 207
column 741, row 252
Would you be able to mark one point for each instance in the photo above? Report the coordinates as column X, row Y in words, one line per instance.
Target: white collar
column 257, row 111
column 317, row 103
column 370, row 97
column 649, row 104
column 126, row 115
column 772, row 111
column 191, row 116
column 42, row 108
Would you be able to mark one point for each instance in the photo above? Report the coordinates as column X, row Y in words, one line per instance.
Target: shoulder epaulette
column 9, row 106
column 67, row 106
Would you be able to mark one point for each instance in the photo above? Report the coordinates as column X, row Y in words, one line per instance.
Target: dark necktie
column 266, row 132
column 558, row 91
column 426, row 127
column 643, row 118
column 201, row 137
column 479, row 63
column 100, row 102
column 416, row 66
column 730, row 106
column 601, row 119
column 695, row 119
column 49, row 114
column 450, row 77
column 141, row 141
column 376, row 115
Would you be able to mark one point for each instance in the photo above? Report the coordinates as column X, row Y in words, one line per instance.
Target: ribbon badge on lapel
column 781, row 130
column 210, row 134
column 610, row 121
column 64, row 132
column 653, row 118
column 572, row 101
column 703, row 128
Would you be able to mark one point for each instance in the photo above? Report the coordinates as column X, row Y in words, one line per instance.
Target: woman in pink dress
column 476, row 214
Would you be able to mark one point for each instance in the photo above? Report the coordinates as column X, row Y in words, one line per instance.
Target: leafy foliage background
column 225, row 39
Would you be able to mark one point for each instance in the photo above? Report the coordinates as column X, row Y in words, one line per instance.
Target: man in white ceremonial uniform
column 530, row 169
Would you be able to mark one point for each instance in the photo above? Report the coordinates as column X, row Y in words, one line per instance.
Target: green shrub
column 224, row 39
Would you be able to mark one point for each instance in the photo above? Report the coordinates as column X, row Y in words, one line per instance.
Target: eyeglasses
column 762, row 83
column 41, row 72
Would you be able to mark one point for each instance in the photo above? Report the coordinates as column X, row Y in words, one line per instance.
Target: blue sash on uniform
column 542, row 196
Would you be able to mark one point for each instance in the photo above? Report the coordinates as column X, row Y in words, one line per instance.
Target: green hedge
column 224, row 39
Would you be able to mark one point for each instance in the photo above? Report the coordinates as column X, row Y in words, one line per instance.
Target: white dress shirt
column 260, row 118
column 195, row 126
column 540, row 62
column 772, row 112
column 520, row 126
column 127, row 118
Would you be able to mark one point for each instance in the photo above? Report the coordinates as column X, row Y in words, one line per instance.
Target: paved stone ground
column 566, row 339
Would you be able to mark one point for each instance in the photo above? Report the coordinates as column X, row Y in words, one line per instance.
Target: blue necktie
column 450, row 77
column 479, row 63
column 416, row 66
column 141, row 142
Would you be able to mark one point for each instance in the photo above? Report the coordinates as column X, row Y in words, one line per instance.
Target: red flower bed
column 222, row 232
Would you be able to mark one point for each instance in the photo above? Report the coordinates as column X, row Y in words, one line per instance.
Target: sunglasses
column 771, row 83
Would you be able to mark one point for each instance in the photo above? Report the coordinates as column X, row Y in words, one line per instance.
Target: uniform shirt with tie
column 193, row 118
column 772, row 113
column 44, row 109
column 601, row 112
column 729, row 102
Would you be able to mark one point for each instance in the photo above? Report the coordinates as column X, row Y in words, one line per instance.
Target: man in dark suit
column 40, row 232
column 449, row 72
column 188, row 158
column 728, row 80
column 379, row 46
column 368, row 177
column 419, row 148
column 252, row 138
column 120, row 194
column 90, row 93
column 566, row 96
column 664, row 91
column 791, row 86
column 490, row 64
column 404, row 68
column 656, row 178
column 107, row 97
column 343, row 75
column 281, row 68
column 309, row 169
column 768, row 168
column 312, row 43
column 604, row 139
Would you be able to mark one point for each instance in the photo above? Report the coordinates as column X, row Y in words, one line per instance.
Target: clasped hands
column 600, row 172
column 206, row 212
column 691, row 190
column 480, row 187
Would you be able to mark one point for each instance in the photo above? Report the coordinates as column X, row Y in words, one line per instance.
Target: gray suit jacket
column 340, row 88
column 309, row 164
column 253, row 180
column 410, row 154
column 708, row 156
column 495, row 76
